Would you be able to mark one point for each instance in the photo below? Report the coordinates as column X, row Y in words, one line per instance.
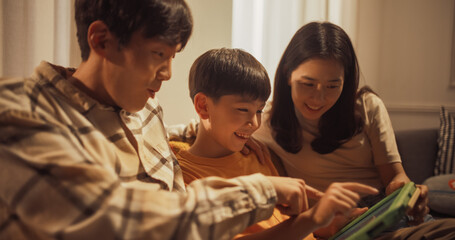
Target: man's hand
column 292, row 194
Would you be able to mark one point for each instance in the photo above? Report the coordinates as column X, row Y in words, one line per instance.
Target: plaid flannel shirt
column 68, row 171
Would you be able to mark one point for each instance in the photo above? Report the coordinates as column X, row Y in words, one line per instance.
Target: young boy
column 229, row 88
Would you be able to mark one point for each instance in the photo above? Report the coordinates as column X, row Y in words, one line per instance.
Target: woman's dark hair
column 168, row 20
column 316, row 40
column 225, row 71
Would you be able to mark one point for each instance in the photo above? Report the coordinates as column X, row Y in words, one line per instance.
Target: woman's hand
column 421, row 208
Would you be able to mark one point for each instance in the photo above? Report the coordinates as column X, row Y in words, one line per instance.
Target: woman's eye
column 333, row 86
column 308, row 84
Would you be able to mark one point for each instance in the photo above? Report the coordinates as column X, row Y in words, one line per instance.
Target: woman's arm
column 392, row 176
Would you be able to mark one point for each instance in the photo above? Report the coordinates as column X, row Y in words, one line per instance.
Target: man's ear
column 201, row 105
column 98, row 37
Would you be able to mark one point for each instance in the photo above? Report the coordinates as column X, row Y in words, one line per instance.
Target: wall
column 1, row 40
column 404, row 49
column 212, row 29
column 32, row 31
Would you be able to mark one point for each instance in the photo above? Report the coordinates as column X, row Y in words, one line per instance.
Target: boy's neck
column 206, row 146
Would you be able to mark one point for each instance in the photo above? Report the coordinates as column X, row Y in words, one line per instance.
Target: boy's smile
column 230, row 122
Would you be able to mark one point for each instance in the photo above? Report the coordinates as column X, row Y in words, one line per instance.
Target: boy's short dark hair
column 168, row 20
column 220, row 72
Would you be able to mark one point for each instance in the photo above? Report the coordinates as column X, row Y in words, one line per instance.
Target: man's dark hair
column 220, row 72
column 168, row 20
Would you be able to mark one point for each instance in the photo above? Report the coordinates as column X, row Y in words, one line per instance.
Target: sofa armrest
column 418, row 150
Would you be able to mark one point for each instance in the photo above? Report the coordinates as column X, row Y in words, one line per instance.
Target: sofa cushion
column 445, row 162
column 441, row 193
column 418, row 150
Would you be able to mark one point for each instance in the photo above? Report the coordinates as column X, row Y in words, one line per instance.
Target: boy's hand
column 292, row 194
column 338, row 222
column 257, row 147
column 339, row 199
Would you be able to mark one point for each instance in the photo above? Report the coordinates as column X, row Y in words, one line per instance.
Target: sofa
column 418, row 150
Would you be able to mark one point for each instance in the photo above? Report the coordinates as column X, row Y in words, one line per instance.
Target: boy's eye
column 242, row 109
column 259, row 111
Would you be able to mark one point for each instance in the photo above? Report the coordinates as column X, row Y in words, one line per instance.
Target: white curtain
column 36, row 30
column 265, row 27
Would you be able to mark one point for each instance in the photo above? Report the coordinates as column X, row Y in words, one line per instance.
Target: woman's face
column 316, row 85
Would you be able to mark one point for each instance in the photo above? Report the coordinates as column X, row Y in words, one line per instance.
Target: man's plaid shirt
column 67, row 170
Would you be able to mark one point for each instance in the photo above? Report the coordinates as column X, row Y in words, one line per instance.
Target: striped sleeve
column 51, row 189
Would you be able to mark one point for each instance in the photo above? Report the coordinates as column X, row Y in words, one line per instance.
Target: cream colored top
column 354, row 161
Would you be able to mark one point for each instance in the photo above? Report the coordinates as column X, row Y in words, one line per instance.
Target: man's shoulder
column 13, row 84
column 12, row 94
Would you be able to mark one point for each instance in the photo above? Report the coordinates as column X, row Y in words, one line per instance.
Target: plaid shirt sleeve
column 49, row 188
column 52, row 188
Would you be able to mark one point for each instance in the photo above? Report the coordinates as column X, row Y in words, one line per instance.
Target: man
column 84, row 153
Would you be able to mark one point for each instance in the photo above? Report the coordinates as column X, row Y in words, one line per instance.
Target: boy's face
column 135, row 72
column 233, row 119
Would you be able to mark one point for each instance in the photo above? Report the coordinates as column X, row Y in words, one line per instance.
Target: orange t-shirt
column 234, row 165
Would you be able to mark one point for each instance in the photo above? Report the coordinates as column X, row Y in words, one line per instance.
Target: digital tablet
column 381, row 216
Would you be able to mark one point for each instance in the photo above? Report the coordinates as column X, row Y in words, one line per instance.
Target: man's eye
column 160, row 54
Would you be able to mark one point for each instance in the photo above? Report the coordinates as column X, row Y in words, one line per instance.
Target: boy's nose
column 254, row 122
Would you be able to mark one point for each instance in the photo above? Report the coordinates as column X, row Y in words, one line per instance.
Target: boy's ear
column 200, row 104
column 98, row 37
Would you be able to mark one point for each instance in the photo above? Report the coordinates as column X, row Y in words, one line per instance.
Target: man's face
column 135, row 72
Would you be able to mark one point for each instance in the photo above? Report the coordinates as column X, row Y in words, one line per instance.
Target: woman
column 322, row 127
